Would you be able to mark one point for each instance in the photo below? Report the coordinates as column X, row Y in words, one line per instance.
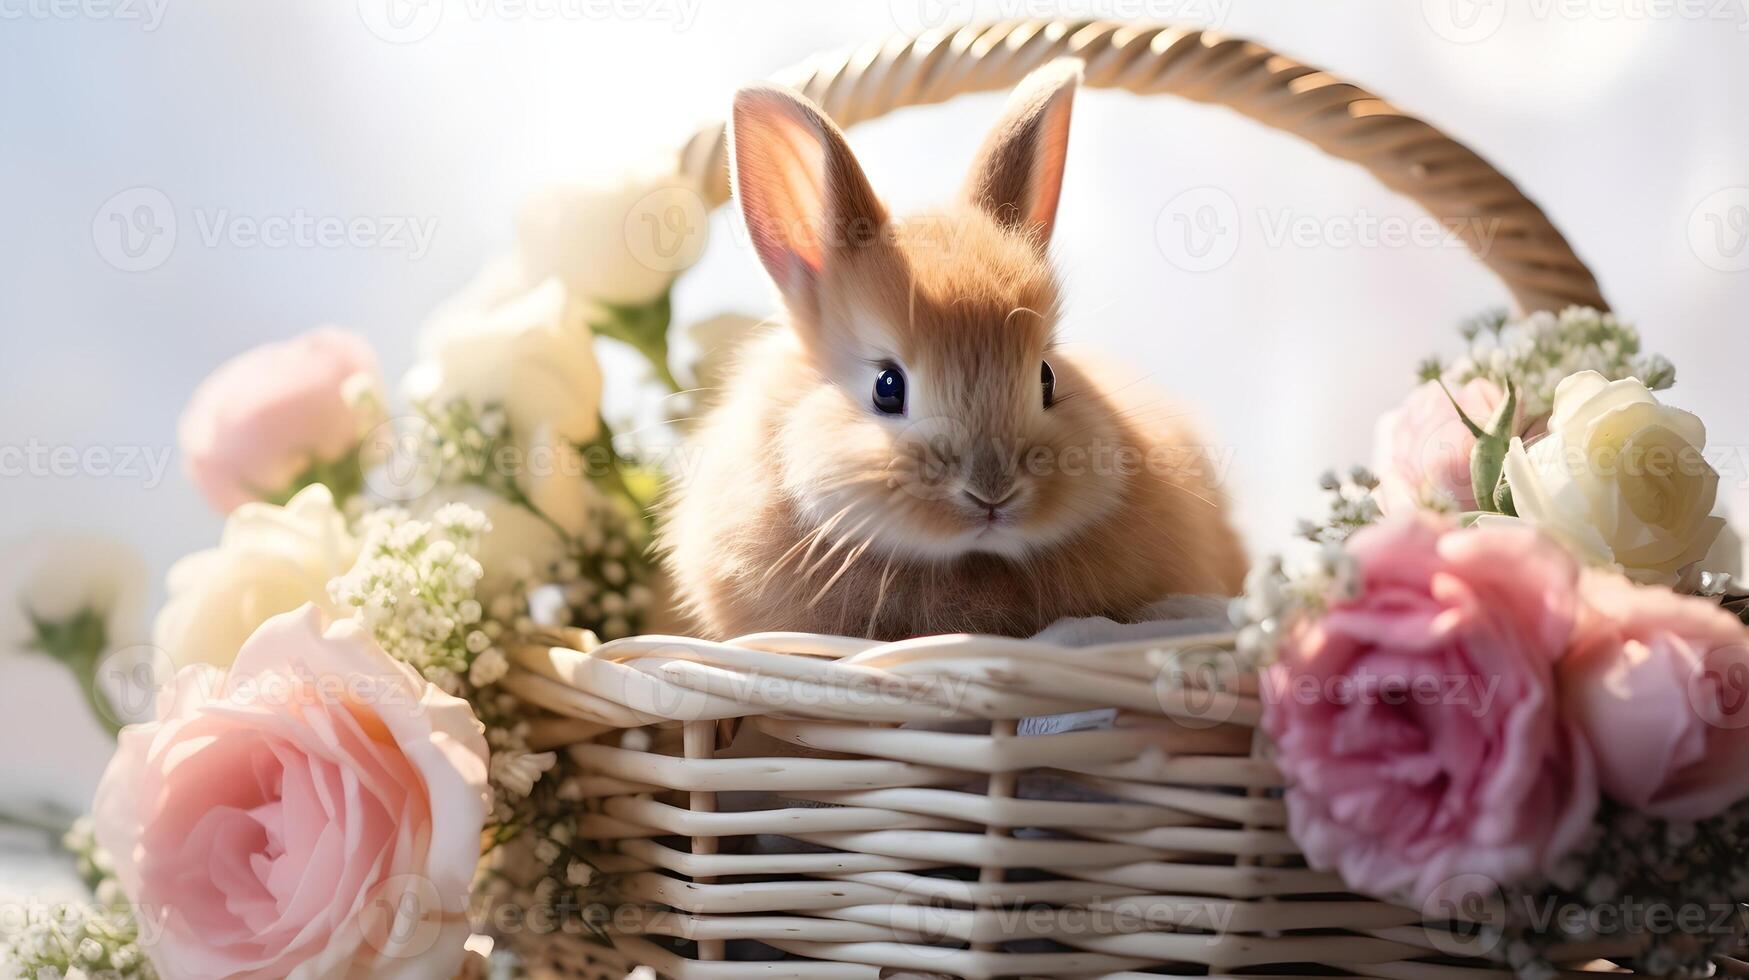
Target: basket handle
column 1407, row 155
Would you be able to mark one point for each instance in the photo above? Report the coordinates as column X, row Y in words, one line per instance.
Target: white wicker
column 822, row 807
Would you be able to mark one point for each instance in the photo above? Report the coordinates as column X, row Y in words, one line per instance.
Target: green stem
column 55, row 827
column 657, row 355
column 79, row 644
column 643, row 327
column 513, row 492
column 616, row 479
column 85, row 673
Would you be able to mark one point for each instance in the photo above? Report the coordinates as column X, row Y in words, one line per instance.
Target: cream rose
column 524, row 348
column 620, row 241
column 269, row 560
column 1620, row 478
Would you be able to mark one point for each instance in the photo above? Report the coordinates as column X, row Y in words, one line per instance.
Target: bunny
column 908, row 452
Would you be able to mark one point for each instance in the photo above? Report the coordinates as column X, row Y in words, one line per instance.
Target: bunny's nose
column 991, row 502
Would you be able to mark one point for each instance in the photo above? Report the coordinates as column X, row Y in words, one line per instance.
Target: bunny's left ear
column 1018, row 175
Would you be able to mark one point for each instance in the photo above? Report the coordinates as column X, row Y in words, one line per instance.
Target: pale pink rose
column 1658, row 683
column 1417, row 724
column 1421, row 450
column 314, row 813
column 265, row 416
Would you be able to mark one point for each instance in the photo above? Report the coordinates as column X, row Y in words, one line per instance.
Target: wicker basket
column 812, row 806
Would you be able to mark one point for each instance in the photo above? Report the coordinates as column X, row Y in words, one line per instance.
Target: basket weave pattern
column 823, row 807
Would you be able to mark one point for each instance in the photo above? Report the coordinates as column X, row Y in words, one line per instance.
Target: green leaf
column 644, row 328
column 1462, row 415
column 1503, row 498
column 344, row 477
column 1488, row 459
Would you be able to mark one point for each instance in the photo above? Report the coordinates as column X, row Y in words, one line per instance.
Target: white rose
column 522, row 347
column 518, row 542
column 51, row 580
column 1620, row 478
column 269, row 560
column 620, row 241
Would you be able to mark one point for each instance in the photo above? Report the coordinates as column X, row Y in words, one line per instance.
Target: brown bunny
column 910, row 453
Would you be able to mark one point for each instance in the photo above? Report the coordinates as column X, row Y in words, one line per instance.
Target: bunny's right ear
column 801, row 191
column 1018, row 175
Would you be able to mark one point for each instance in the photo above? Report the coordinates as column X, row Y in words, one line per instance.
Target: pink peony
column 1657, row 681
column 1422, row 449
column 267, row 415
column 314, row 813
column 1417, row 723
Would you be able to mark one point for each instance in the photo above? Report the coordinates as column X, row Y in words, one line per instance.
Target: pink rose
column 1417, row 724
column 1422, row 449
column 314, row 813
column 267, row 415
column 1657, row 681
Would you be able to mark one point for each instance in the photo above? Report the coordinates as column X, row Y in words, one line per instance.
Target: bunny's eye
column 889, row 391
column 1047, row 380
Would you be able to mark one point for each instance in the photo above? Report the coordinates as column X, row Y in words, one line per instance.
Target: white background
column 1620, row 117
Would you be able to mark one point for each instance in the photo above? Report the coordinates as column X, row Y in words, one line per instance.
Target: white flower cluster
column 413, row 588
column 544, row 867
column 97, row 941
column 1352, row 506
column 1280, row 590
column 76, row 942
column 568, row 559
column 594, row 586
column 1673, row 885
column 459, row 442
column 1538, row 351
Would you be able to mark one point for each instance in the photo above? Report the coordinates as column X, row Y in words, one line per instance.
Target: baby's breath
column 1538, row 351
column 1676, row 886
column 413, row 587
column 92, row 940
